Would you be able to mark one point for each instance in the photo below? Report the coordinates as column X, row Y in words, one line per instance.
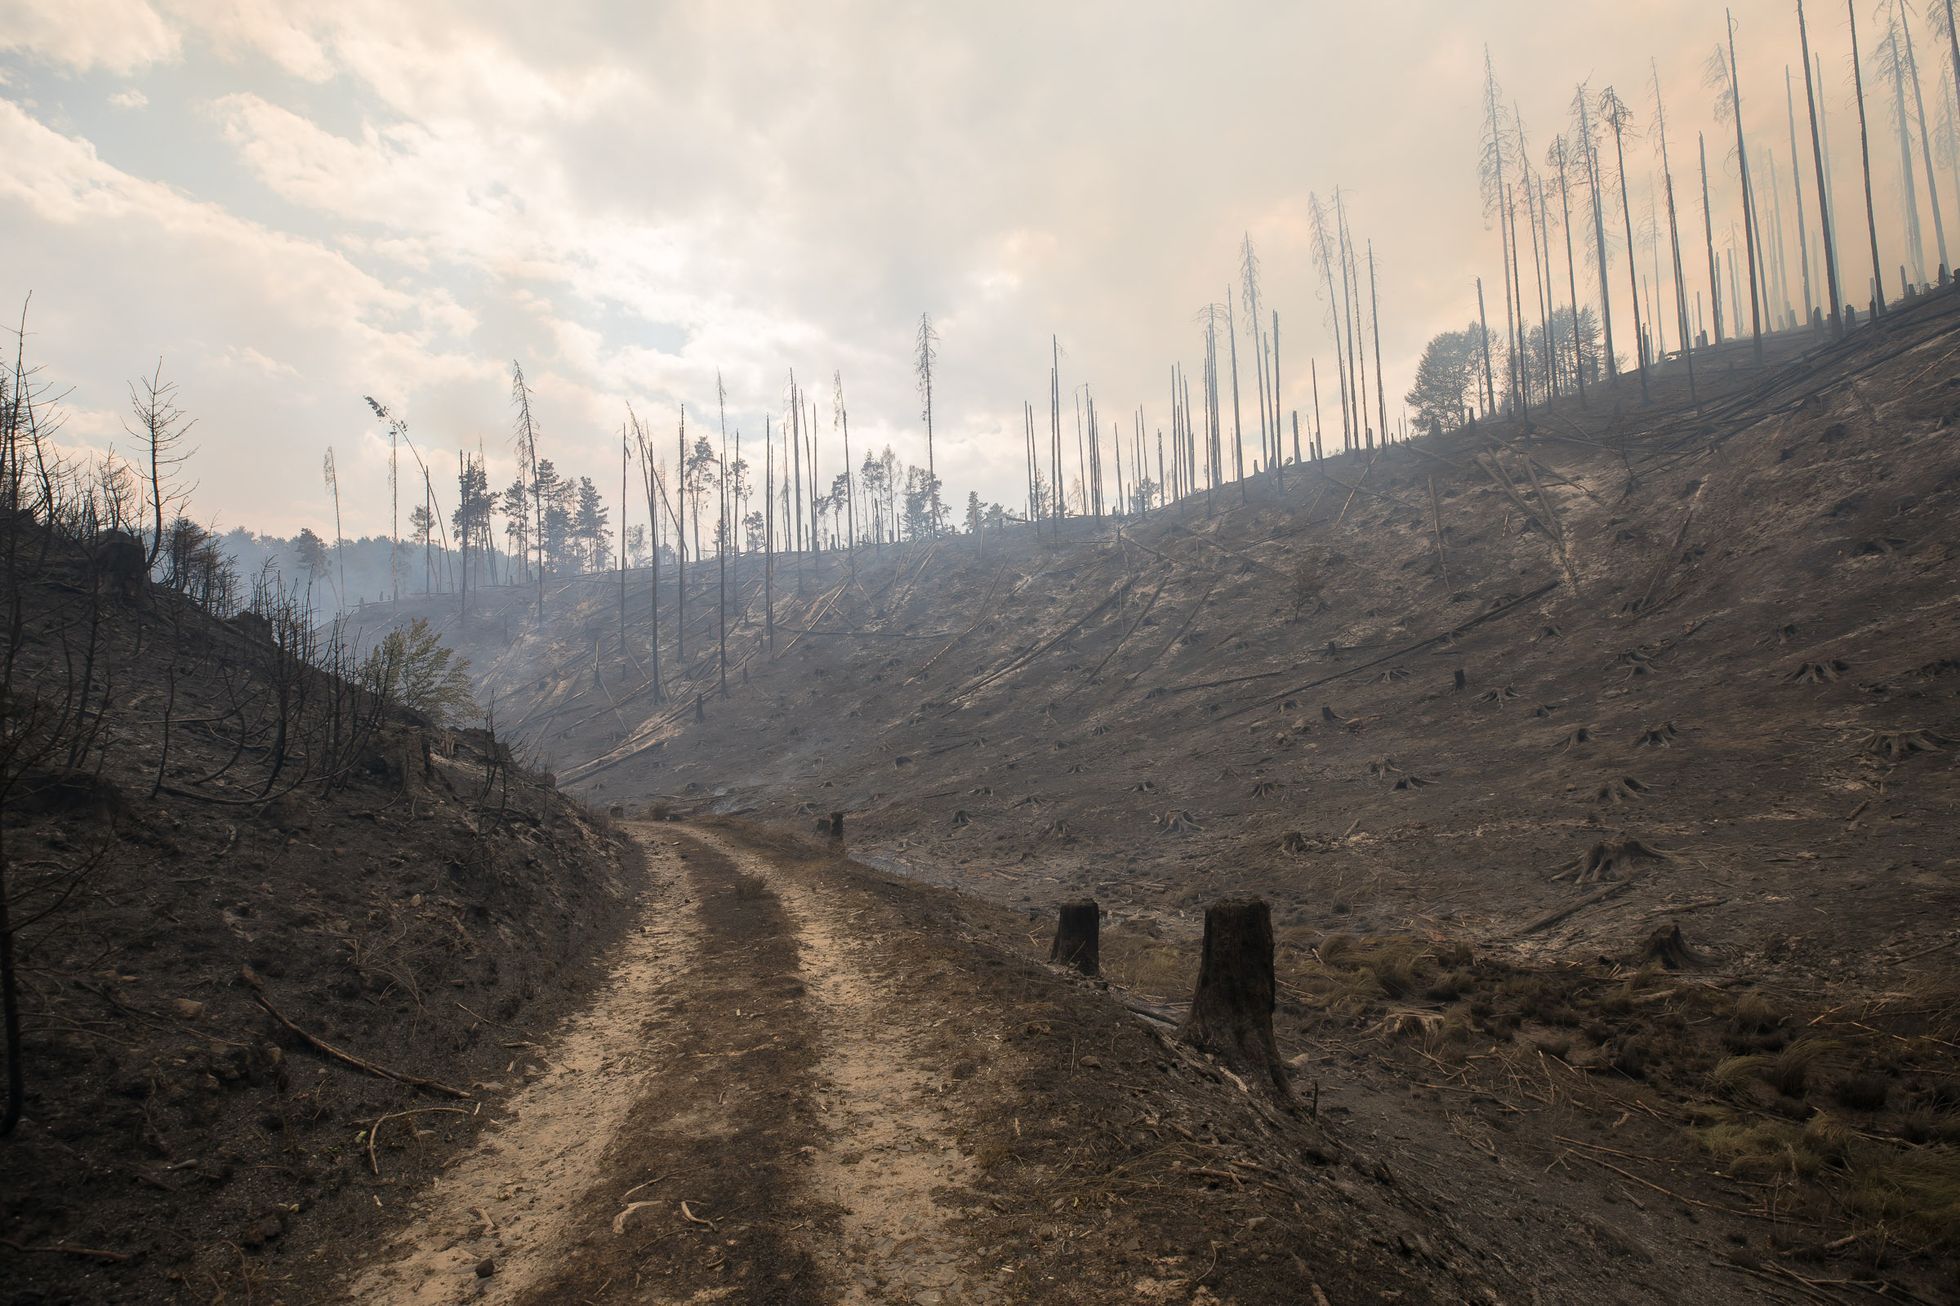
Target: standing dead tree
column 1889, row 62
column 1586, row 142
column 1375, row 323
column 1495, row 145
column 340, row 564
column 1674, row 237
column 1351, row 306
column 1865, row 160
column 1249, row 286
column 527, row 452
column 650, row 483
column 850, row 491
column 722, row 534
column 1324, row 250
column 1708, row 234
column 1558, row 161
column 1723, row 77
column 926, row 354
column 1614, row 112
column 1823, row 192
column 159, row 429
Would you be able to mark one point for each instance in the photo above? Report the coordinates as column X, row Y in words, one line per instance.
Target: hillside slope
column 1487, row 717
column 1733, row 639
column 259, row 913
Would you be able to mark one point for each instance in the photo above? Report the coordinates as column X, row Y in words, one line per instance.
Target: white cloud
column 632, row 197
column 239, row 28
column 120, row 36
column 129, row 98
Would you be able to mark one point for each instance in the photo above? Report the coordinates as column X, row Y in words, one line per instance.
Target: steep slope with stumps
column 1608, row 758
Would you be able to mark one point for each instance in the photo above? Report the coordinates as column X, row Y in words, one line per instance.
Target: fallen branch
column 321, row 1045
column 1554, row 917
column 374, row 1129
column 1404, row 651
column 68, row 1249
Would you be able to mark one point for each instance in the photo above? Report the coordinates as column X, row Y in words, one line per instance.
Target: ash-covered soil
column 402, row 895
column 1488, row 718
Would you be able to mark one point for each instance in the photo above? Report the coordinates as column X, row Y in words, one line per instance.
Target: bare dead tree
column 1888, row 57
column 1823, row 192
column 769, row 536
column 527, row 451
column 1865, row 160
column 1925, row 132
column 1375, row 322
column 1249, row 285
column 721, row 530
column 1538, row 245
column 1238, row 437
column 850, row 491
column 1324, row 253
column 1614, row 112
column 1587, row 142
column 649, row 479
column 1674, row 234
column 333, row 489
column 1796, row 185
column 1495, row 145
column 1723, row 76
column 1351, row 305
column 159, row 429
column 926, row 354
column 1558, row 160
column 1483, row 337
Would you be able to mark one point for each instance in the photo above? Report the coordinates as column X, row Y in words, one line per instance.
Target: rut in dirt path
column 889, row 1162
column 511, row 1199
column 745, row 1112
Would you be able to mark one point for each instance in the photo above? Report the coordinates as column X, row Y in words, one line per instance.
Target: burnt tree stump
column 837, row 825
column 1232, row 1010
column 1077, row 939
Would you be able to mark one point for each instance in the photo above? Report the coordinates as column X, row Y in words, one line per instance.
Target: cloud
column 369, row 197
column 119, row 36
column 238, row 29
column 228, row 303
column 129, row 98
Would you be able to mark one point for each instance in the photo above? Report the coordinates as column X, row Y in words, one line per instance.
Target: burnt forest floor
column 1601, row 773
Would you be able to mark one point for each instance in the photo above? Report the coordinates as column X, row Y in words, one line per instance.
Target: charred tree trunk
column 1232, row 1009
column 768, row 536
column 1796, row 185
column 1749, row 228
column 1865, row 158
column 1077, row 939
column 1925, row 149
column 1375, row 324
column 1591, row 147
column 1571, row 276
column 680, row 554
column 1615, row 116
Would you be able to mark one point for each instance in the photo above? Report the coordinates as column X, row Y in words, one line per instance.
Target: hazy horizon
column 295, row 208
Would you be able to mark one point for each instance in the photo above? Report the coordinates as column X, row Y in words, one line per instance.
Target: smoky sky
column 296, row 205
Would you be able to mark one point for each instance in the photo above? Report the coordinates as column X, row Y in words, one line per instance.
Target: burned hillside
column 276, row 926
column 1597, row 737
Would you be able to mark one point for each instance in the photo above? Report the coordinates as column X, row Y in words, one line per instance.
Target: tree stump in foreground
column 1232, row 1010
column 1077, row 939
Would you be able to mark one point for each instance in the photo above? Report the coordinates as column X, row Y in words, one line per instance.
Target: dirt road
column 806, row 1082
column 745, row 1105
